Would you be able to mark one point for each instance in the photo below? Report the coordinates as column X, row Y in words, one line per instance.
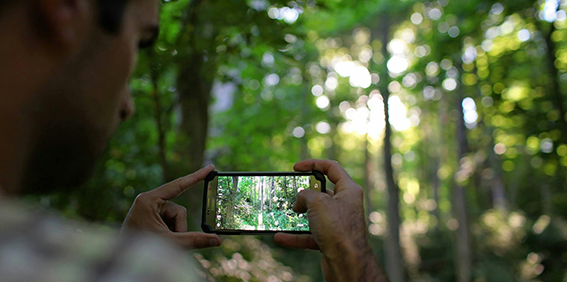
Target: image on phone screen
column 257, row 202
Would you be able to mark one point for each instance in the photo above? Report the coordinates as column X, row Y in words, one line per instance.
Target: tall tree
column 497, row 188
column 554, row 84
column 368, row 184
column 271, row 194
column 262, row 188
column 285, row 187
column 394, row 262
column 463, row 256
column 159, row 116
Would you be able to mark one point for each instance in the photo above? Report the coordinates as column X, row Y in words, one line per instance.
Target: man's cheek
column 125, row 60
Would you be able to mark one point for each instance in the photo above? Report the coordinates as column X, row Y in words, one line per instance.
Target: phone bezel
column 208, row 229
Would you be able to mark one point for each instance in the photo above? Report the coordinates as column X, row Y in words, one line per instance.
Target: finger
column 296, row 241
column 196, row 240
column 332, row 169
column 305, row 199
column 176, row 216
column 178, row 186
column 330, row 192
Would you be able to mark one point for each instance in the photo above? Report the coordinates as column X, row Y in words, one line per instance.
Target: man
column 64, row 70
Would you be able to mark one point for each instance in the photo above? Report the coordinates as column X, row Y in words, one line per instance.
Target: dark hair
column 110, row 13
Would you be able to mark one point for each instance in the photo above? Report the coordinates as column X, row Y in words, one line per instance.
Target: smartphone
column 237, row 203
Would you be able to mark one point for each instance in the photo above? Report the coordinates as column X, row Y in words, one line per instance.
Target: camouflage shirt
column 39, row 247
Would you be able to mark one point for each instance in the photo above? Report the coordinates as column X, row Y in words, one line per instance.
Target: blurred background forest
column 450, row 114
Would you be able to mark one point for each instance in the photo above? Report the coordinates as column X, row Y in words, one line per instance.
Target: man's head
column 77, row 57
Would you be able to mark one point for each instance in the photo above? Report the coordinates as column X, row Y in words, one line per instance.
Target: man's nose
column 127, row 107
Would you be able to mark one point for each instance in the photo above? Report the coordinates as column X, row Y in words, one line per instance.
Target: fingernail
column 214, row 242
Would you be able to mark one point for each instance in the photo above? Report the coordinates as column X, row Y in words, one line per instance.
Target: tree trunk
column 433, row 144
column 230, row 204
column 261, row 215
column 285, row 187
column 256, row 194
column 295, row 184
column 235, row 184
column 334, row 121
column 252, row 193
column 194, row 84
column 555, row 86
column 557, row 98
column 517, row 178
column 367, row 178
column 443, row 121
column 271, row 194
column 304, row 153
column 333, row 150
column 497, row 189
column 167, row 174
column 394, row 262
column 459, row 197
column 546, row 199
column 194, row 96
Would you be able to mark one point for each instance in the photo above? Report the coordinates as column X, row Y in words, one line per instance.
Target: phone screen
column 258, row 202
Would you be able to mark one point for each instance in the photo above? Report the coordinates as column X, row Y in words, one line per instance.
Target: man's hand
column 337, row 225
column 152, row 211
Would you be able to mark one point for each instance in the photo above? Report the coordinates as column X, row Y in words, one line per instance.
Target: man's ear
column 66, row 23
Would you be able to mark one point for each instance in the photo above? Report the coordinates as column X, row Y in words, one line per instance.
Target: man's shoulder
column 36, row 246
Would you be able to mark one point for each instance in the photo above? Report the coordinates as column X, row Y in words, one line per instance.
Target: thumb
column 196, row 240
column 306, row 198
